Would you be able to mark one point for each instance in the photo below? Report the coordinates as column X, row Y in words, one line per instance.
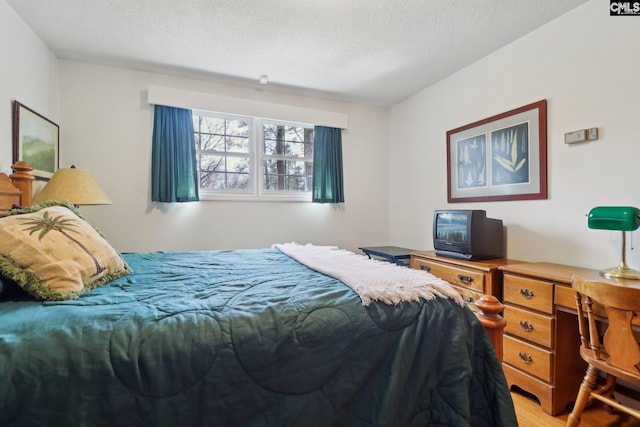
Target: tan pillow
column 54, row 254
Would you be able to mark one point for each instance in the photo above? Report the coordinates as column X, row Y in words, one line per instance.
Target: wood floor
column 530, row 414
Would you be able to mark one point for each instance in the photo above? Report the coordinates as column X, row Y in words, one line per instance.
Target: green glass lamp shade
column 623, row 218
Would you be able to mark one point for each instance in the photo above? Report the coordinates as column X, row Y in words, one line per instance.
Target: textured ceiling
column 368, row 51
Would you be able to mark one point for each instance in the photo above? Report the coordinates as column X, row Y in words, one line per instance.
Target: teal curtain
column 327, row 165
column 174, row 174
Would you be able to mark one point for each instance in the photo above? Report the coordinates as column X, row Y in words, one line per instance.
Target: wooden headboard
column 17, row 188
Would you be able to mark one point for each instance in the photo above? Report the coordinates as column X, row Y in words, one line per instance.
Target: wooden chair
column 618, row 355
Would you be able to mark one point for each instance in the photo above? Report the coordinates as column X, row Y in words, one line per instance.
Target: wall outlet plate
column 592, row 134
column 575, row 136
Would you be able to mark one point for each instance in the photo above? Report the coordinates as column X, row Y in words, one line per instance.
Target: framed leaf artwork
column 502, row 157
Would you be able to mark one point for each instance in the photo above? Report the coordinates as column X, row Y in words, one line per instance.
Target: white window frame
column 257, row 157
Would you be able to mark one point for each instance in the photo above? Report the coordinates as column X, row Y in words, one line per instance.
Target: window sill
column 304, row 198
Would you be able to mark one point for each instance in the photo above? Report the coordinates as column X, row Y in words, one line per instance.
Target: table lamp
column 74, row 185
column 623, row 218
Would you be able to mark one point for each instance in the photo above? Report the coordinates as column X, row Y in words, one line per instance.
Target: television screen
column 467, row 234
column 452, row 227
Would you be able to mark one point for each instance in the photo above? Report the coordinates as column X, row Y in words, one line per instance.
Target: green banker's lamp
column 623, row 218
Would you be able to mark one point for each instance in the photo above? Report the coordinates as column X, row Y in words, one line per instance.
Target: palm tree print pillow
column 55, row 254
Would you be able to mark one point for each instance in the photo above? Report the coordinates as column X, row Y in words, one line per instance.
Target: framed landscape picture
column 36, row 140
column 503, row 157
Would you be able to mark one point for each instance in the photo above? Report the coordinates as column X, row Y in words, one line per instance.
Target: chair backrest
column 618, row 305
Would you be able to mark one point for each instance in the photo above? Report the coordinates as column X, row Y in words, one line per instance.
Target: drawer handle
column 526, row 293
column 526, row 325
column 525, row 358
column 426, row 268
column 465, row 279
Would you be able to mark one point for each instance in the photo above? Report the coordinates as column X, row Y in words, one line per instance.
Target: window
column 224, row 150
column 287, row 157
column 252, row 158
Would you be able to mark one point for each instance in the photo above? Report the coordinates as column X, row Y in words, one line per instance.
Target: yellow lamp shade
column 74, row 185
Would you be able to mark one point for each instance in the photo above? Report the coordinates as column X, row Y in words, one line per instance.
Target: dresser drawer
column 566, row 297
column 530, row 293
column 530, row 326
column 466, row 278
column 469, row 296
column 528, row 358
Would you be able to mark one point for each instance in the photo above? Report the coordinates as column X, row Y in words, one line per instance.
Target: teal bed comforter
column 243, row 338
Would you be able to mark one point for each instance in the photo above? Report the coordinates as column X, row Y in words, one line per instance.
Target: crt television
column 467, row 234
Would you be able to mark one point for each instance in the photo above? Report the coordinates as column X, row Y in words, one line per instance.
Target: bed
column 248, row 337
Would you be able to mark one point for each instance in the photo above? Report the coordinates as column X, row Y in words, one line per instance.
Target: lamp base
column 621, row 272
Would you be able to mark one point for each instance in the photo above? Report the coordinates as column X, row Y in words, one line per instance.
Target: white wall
column 586, row 64
column 29, row 74
column 106, row 128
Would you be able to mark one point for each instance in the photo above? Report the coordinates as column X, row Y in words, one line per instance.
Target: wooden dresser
column 541, row 341
column 541, row 344
column 472, row 279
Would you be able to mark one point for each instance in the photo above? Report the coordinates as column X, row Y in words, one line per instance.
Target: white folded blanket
column 371, row 279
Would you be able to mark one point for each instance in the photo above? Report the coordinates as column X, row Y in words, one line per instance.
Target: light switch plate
column 575, row 136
